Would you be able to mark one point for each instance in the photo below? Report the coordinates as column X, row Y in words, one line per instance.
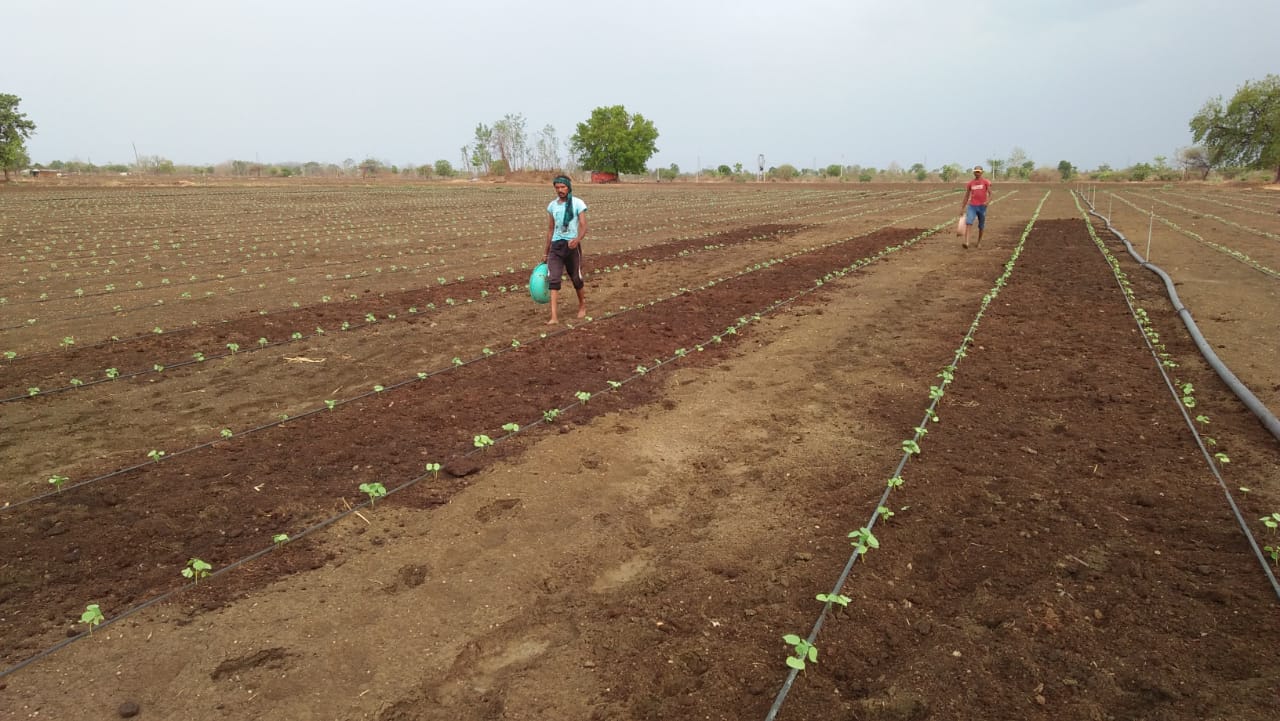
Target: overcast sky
column 806, row 82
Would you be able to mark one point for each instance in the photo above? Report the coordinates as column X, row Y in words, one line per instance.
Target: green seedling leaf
column 92, row 615
column 434, row 470
column 863, row 541
column 838, row 599
column 1272, row 522
column 582, row 396
column 226, row 433
column 910, row 446
column 511, row 427
column 804, row 651
column 551, row 415
column 280, row 539
column 155, row 455
column 373, row 490
column 895, row 482
column 196, row 570
column 1274, row 552
column 482, row 441
column 57, row 481
column 330, row 404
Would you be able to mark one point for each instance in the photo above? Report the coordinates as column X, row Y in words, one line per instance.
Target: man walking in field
column 977, row 193
column 566, row 227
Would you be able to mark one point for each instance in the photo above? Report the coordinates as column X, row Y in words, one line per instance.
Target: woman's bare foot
column 582, row 312
column 553, row 321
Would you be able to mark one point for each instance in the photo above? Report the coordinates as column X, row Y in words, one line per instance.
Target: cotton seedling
column 434, row 470
column 911, row 447
column 837, row 598
column 92, row 616
column 482, row 441
column 196, row 569
column 373, row 490
column 582, row 396
column 885, row 513
column 263, row 342
column 551, row 415
column 112, row 373
column 233, row 347
column 614, row 384
column 511, row 427
column 1274, row 553
column 33, row 391
column 280, row 539
column 379, row 388
column 57, row 481
column 1222, row 458
column 456, row 361
column 155, row 455
column 1272, row 522
column 863, row 541
column 804, row 651
column 226, row 433
column 198, row 356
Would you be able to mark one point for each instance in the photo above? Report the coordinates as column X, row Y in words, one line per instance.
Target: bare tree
column 547, row 154
column 508, row 141
column 1195, row 159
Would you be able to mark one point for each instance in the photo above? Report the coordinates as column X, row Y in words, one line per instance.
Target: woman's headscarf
column 568, row 200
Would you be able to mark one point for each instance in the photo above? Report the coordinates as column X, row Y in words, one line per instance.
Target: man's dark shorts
column 563, row 260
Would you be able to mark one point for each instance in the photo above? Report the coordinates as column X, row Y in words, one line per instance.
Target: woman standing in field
column 566, row 227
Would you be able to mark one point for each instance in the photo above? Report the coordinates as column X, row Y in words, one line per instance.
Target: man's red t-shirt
column 978, row 189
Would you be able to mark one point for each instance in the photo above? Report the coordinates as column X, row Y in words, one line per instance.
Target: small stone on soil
column 128, row 709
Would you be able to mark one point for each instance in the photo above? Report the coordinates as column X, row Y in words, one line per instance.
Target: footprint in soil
column 497, row 509
column 269, row 658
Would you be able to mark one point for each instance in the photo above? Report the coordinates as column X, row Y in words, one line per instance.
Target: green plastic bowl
column 539, row 287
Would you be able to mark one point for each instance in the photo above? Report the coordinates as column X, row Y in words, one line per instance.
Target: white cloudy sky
column 801, row 81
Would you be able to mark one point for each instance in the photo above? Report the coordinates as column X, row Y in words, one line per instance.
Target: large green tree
column 15, row 128
column 1246, row 131
column 614, row 141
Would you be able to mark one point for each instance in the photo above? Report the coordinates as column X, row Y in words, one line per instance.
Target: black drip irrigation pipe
column 1186, row 417
column 1246, row 396
column 640, row 371
column 896, row 478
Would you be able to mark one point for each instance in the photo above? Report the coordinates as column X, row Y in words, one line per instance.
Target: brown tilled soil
column 1059, row 549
